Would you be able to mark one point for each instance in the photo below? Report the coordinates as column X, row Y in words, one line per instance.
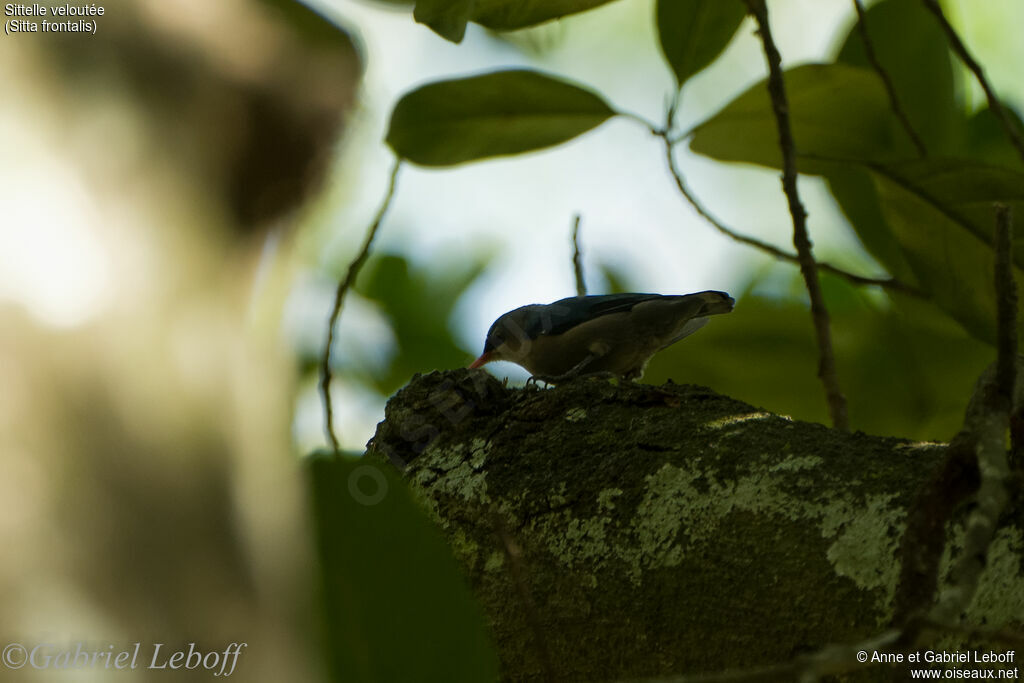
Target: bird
column 603, row 333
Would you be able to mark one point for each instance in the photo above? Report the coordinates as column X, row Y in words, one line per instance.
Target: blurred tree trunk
column 146, row 489
column 627, row 531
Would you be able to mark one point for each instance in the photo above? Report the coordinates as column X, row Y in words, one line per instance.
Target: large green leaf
column 692, row 33
column 854, row 191
column 838, row 113
column 448, row 19
column 914, row 52
column 396, row 605
column 501, row 113
column 941, row 213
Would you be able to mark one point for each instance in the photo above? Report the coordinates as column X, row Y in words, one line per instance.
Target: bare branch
column 891, row 284
column 992, row 419
column 577, row 258
column 339, row 297
column 965, row 56
column 894, row 102
column 801, row 240
column 976, row 463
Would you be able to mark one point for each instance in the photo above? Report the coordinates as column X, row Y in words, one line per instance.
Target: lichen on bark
column 664, row 529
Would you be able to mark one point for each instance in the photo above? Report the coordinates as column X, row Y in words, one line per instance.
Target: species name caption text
column 67, row 18
column 984, row 664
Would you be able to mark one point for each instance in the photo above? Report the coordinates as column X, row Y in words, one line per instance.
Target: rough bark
column 616, row 531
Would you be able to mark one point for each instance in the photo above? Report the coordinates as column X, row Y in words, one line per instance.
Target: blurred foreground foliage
column 396, row 605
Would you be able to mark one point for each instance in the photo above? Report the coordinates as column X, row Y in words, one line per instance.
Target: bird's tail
column 713, row 302
column 709, row 303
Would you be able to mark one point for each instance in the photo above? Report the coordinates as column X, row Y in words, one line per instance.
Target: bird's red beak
column 484, row 358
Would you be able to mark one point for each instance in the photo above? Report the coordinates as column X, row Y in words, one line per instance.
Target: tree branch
column 801, row 240
column 339, row 297
column 965, row 56
column 894, row 102
column 993, row 422
column 646, row 568
column 975, row 463
column 514, row 557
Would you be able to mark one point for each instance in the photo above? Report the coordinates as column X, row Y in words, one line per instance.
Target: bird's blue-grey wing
column 567, row 313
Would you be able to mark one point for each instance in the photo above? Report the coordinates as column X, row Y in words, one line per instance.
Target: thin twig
column 894, row 102
column 577, row 258
column 995, row 397
column 801, row 240
column 339, row 297
column 965, row 56
column 891, row 284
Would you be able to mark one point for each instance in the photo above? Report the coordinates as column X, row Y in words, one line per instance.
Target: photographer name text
column 156, row 656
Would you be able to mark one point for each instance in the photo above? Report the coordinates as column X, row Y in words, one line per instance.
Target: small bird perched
column 615, row 333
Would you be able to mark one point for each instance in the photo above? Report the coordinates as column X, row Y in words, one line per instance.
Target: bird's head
column 511, row 336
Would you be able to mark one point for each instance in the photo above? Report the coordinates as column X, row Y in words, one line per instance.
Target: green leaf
column 913, row 50
column 692, row 33
column 510, row 15
column 397, row 607
column 987, row 141
column 941, row 214
column 838, row 113
column 449, row 19
column 501, row 113
column 854, row 191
